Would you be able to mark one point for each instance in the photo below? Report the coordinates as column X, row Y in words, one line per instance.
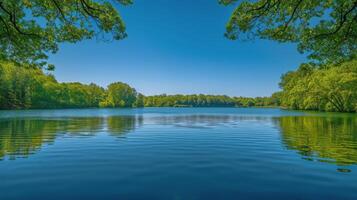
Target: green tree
column 202, row 100
column 30, row 29
column 96, row 94
column 26, row 88
column 333, row 88
column 139, row 102
column 119, row 95
column 15, row 86
column 327, row 30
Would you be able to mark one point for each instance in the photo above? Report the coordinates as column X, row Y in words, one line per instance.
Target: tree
column 139, row 102
column 119, row 95
column 96, row 94
column 333, row 88
column 327, row 30
column 30, row 29
column 24, row 87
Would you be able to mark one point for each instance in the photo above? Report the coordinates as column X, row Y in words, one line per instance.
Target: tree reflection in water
column 321, row 138
column 324, row 139
column 22, row 137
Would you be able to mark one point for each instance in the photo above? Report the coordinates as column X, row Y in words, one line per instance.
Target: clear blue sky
column 177, row 46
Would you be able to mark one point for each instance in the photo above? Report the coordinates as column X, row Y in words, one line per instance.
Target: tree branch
column 12, row 18
column 341, row 23
column 59, row 9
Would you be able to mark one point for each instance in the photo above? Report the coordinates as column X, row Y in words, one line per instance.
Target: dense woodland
column 202, row 100
column 332, row 88
column 328, row 88
column 26, row 88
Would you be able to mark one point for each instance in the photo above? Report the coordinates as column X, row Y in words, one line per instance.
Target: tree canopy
column 25, row 88
column 326, row 30
column 333, row 88
column 119, row 95
column 31, row 29
column 201, row 100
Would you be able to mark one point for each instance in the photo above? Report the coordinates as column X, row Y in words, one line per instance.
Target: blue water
column 177, row 153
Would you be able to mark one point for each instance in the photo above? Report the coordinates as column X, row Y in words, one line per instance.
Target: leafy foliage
column 206, row 101
column 333, row 88
column 22, row 87
column 26, row 87
column 30, row 29
column 327, row 30
column 119, row 95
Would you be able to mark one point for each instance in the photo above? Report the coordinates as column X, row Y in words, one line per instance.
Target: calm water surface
column 177, row 153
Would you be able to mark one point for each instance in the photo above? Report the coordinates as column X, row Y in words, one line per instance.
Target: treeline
column 323, row 88
column 202, row 100
column 328, row 88
column 25, row 88
column 31, row 88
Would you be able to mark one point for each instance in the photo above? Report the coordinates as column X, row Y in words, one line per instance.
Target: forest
column 329, row 88
column 201, row 100
column 30, row 88
column 25, row 88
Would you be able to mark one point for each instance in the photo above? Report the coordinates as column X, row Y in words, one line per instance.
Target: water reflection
column 316, row 138
column 22, row 137
column 120, row 125
column 325, row 139
column 205, row 121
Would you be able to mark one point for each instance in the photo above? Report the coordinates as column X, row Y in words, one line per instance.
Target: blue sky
column 177, row 46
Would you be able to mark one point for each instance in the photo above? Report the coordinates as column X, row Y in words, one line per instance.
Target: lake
column 177, row 153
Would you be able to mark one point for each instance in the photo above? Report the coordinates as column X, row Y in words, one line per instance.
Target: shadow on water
column 323, row 139
column 22, row 137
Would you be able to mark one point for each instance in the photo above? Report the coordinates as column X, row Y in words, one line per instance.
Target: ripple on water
column 200, row 154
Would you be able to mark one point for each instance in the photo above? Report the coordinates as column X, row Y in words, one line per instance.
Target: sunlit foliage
column 119, row 95
column 23, row 88
column 207, row 101
column 326, row 30
column 31, row 29
column 333, row 88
